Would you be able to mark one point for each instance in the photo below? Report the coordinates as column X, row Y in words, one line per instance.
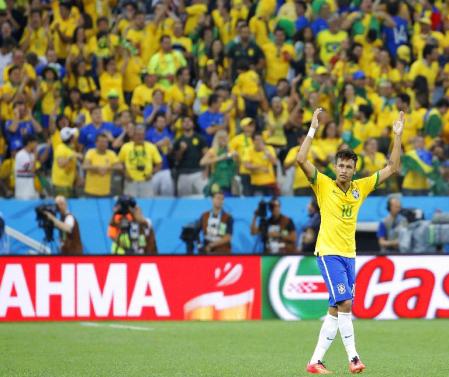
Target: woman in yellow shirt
column 49, row 92
column 275, row 121
column 79, row 78
column 111, row 79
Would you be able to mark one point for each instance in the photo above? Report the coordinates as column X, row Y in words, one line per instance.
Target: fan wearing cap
column 113, row 107
column 63, row 172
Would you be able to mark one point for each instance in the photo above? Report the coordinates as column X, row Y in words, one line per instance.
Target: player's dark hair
column 347, row 154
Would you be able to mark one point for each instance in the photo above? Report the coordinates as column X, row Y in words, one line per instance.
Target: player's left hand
column 398, row 125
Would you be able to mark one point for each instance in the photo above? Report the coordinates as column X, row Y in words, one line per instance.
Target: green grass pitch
column 406, row 348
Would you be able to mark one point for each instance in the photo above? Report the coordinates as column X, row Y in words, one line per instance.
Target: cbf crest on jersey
column 355, row 194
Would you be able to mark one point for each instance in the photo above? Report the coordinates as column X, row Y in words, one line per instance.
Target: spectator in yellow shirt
column 143, row 94
column 63, row 173
column 35, row 36
column 141, row 160
column 62, row 30
column 113, row 107
column 260, row 161
column 166, row 62
column 181, row 92
column 99, row 163
column 330, row 40
column 278, row 55
column 111, row 78
column 427, row 66
column 275, row 121
column 241, row 144
column 249, row 87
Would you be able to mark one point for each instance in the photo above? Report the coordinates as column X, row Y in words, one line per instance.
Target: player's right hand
column 316, row 113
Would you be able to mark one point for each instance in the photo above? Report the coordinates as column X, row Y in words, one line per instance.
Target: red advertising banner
column 141, row 288
column 402, row 287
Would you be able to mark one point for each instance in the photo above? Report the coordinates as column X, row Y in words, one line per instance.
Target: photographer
column 70, row 237
column 278, row 232
column 130, row 231
column 216, row 226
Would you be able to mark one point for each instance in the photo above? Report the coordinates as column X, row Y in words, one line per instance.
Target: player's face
column 345, row 169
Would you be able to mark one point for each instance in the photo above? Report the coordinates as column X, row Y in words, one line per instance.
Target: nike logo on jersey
column 346, row 337
column 329, row 338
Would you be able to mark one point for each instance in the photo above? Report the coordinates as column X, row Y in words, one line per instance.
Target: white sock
column 347, row 334
column 327, row 335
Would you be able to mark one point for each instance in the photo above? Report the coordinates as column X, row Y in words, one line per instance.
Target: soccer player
column 339, row 203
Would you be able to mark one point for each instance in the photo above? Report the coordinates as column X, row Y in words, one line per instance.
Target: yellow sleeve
column 319, row 183
column 368, row 184
column 88, row 156
column 291, row 156
column 233, row 144
column 123, row 152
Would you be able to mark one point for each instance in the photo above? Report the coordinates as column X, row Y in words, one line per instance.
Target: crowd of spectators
column 163, row 98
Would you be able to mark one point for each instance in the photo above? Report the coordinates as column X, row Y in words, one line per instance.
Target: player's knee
column 333, row 311
column 344, row 306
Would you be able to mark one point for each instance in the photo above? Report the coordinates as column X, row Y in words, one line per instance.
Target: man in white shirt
column 25, row 166
column 6, row 48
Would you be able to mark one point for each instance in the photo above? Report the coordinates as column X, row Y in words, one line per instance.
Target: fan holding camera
column 278, row 232
column 130, row 231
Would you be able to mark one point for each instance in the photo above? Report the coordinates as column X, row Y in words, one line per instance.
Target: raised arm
column 395, row 158
column 307, row 167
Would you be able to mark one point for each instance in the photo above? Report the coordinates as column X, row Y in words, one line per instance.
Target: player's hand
column 316, row 113
column 398, row 125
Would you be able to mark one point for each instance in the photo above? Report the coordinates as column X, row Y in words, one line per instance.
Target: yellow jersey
column 139, row 160
column 339, row 212
column 63, row 177
column 97, row 184
column 241, row 144
column 265, row 176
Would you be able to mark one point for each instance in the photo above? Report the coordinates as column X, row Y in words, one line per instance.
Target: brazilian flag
column 420, row 161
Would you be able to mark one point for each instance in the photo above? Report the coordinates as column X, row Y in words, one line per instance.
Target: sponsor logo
column 296, row 289
column 219, row 306
column 341, row 288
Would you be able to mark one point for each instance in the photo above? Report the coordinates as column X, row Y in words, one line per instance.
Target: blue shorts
column 339, row 275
